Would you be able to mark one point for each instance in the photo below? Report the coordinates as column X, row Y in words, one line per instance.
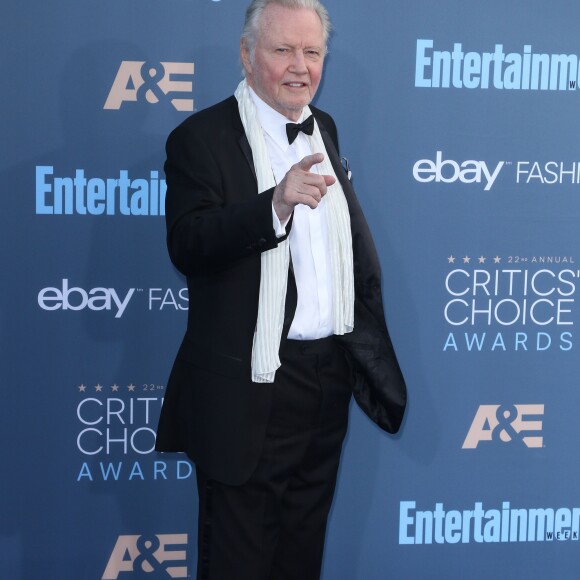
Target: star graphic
column 497, row 260
column 98, row 388
column 82, row 388
column 451, row 259
column 131, row 387
column 466, row 260
column 115, row 388
column 481, row 260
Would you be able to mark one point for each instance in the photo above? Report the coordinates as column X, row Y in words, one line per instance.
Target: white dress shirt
column 308, row 236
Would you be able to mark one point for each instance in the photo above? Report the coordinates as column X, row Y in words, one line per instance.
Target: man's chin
column 293, row 110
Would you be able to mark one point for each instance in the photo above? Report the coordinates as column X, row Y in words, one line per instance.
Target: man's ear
column 245, row 57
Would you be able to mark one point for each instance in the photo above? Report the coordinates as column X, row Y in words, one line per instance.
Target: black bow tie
column 292, row 129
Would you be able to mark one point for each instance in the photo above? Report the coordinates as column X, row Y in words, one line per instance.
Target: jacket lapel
column 242, row 139
column 247, row 151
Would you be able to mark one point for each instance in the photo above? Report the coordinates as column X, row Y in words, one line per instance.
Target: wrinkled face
column 286, row 67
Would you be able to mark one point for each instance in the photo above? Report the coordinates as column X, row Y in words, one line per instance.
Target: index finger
column 307, row 162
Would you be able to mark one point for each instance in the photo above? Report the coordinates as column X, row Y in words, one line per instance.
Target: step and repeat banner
column 460, row 124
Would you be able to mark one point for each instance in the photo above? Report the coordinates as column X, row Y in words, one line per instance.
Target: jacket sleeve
column 210, row 222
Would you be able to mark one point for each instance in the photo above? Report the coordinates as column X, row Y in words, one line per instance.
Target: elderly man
column 285, row 310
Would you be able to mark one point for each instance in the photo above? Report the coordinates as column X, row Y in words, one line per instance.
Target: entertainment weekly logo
column 509, row 303
column 483, row 175
column 85, row 194
column 483, row 524
column 454, row 67
column 115, row 435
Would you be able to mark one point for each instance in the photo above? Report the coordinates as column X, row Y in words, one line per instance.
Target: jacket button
column 261, row 242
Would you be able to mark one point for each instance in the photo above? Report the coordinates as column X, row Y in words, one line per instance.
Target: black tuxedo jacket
column 217, row 227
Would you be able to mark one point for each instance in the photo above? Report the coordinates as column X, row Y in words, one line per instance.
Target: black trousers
column 273, row 526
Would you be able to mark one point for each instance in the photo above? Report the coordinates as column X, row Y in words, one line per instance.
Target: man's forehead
column 291, row 25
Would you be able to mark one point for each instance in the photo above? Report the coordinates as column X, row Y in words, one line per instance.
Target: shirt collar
column 272, row 122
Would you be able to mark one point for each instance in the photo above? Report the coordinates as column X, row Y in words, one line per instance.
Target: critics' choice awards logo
column 159, row 555
column 525, row 69
column 140, row 81
column 116, row 430
column 516, row 303
column 517, row 424
column 67, row 297
column 484, row 174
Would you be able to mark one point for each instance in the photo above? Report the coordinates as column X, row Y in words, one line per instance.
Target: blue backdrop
column 460, row 122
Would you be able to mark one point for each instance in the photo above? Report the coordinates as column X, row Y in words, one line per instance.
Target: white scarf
column 275, row 262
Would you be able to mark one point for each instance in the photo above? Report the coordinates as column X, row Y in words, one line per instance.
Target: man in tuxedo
column 285, row 307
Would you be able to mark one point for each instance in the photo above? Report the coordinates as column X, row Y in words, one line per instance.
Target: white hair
column 254, row 14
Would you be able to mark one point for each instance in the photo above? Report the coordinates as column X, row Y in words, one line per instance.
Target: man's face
column 288, row 59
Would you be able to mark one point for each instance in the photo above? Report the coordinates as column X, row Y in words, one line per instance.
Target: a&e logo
column 518, row 424
column 138, row 80
column 161, row 555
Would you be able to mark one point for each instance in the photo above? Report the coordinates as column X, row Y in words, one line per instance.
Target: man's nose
column 298, row 62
